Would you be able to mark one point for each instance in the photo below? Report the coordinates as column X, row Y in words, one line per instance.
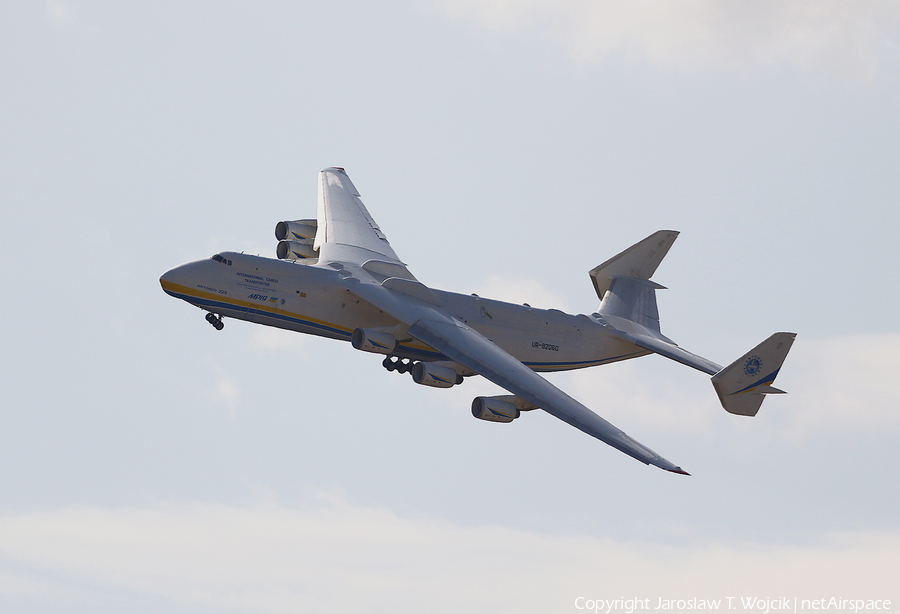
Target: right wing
column 345, row 229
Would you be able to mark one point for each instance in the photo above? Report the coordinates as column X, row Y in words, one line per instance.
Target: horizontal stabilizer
column 743, row 384
column 676, row 353
column 639, row 261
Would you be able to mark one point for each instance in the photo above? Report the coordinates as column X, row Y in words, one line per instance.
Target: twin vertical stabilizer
column 628, row 307
column 639, row 261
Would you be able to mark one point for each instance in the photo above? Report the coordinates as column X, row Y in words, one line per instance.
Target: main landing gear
column 399, row 365
column 215, row 320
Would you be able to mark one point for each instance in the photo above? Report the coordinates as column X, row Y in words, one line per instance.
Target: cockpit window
column 219, row 258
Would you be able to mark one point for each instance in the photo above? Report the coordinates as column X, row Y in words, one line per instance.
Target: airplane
column 337, row 276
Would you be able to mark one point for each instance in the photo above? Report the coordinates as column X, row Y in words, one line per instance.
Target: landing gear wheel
column 389, row 364
column 215, row 320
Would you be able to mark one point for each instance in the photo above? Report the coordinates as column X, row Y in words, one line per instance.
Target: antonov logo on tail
column 752, row 366
column 355, row 288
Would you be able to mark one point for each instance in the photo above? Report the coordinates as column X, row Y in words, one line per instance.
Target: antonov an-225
column 337, row 276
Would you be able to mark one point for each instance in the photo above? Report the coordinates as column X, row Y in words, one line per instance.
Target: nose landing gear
column 215, row 320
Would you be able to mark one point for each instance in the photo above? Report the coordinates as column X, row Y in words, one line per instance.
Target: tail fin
column 639, row 261
column 743, row 384
column 623, row 282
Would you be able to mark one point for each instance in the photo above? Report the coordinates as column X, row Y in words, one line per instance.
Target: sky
column 149, row 463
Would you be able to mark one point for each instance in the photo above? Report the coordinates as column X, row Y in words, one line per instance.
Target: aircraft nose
column 172, row 278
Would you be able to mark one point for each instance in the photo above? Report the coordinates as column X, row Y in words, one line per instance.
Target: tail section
column 628, row 311
column 628, row 299
column 743, row 384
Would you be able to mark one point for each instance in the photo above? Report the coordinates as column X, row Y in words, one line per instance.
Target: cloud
column 64, row 15
column 838, row 384
column 330, row 555
column 520, row 290
column 267, row 340
column 650, row 394
column 833, row 37
column 846, row 382
column 18, row 584
column 227, row 392
column 60, row 13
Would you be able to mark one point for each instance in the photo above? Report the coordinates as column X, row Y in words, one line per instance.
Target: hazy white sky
column 149, row 463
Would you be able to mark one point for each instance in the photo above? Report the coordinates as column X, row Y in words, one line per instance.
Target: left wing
column 463, row 344
column 349, row 239
column 471, row 349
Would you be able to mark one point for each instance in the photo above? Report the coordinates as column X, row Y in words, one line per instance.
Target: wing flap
column 412, row 288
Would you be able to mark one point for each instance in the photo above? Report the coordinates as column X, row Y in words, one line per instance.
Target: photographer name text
column 756, row 604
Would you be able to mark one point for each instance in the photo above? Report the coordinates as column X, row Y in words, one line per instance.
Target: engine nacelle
column 431, row 374
column 296, row 230
column 376, row 341
column 296, row 250
column 494, row 410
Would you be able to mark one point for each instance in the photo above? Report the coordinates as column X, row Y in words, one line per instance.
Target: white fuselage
column 308, row 299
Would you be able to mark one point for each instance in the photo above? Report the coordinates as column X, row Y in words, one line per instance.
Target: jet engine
column 493, row 409
column 432, row 374
column 296, row 230
column 371, row 340
column 296, row 239
column 296, row 250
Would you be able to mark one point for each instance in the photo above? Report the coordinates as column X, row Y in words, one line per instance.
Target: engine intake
column 375, row 341
column 296, row 230
column 296, row 240
column 431, row 374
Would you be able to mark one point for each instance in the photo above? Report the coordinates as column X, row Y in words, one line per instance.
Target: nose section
column 172, row 279
column 166, row 281
column 180, row 281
